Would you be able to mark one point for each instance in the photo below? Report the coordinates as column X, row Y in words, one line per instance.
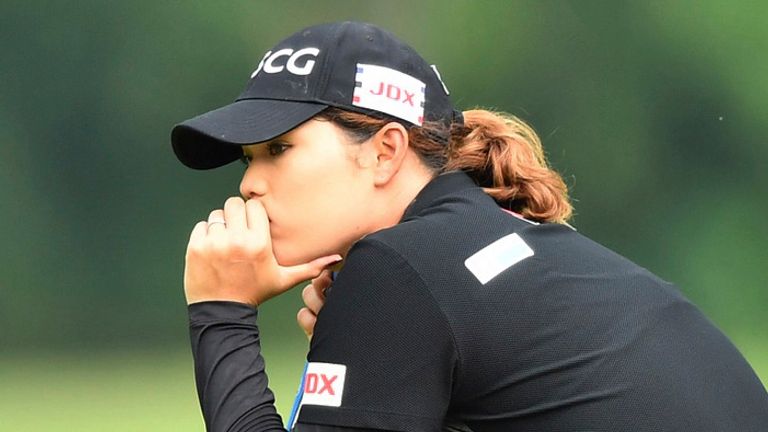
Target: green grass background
column 148, row 391
column 117, row 391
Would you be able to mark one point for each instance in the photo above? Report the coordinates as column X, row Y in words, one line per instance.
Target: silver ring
column 217, row 221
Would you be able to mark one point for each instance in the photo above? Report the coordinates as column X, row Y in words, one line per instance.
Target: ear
column 390, row 145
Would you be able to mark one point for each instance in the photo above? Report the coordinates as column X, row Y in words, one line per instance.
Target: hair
column 500, row 152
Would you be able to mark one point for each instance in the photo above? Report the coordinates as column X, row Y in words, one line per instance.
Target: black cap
column 349, row 65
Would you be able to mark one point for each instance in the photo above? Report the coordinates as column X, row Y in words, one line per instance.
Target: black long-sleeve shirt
column 465, row 314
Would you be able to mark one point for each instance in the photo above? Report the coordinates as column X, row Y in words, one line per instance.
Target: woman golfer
column 462, row 300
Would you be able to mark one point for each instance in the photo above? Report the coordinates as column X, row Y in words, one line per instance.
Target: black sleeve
column 382, row 355
column 229, row 371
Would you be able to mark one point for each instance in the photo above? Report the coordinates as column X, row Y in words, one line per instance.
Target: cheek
column 326, row 223
column 319, row 207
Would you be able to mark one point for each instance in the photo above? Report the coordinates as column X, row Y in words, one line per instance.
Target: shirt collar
column 438, row 187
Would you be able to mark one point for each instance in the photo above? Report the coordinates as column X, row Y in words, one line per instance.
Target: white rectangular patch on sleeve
column 498, row 256
column 389, row 91
column 324, row 384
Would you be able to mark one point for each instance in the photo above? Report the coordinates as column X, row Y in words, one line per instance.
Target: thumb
column 299, row 273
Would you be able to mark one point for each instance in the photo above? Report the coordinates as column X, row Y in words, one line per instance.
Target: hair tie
column 458, row 117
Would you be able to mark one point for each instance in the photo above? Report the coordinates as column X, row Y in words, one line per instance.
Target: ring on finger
column 217, row 221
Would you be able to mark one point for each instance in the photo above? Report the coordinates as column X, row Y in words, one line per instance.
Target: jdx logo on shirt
column 324, row 384
column 287, row 59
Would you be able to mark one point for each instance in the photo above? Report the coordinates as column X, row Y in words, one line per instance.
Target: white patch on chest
column 498, row 256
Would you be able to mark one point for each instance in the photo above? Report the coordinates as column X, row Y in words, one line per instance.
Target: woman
column 463, row 300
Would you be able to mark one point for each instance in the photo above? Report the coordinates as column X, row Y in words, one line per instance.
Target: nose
column 253, row 184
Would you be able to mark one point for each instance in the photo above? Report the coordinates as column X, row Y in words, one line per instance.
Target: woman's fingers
column 256, row 216
column 234, row 214
column 313, row 298
column 323, row 281
column 230, row 257
column 216, row 221
column 306, row 320
column 299, row 273
column 197, row 237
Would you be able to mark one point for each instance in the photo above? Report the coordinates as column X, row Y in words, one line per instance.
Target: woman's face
column 315, row 188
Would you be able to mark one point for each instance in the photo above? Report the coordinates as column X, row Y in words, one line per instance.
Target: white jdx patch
column 389, row 91
column 498, row 256
column 324, row 384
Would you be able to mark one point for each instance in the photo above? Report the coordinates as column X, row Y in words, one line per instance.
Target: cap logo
column 270, row 64
column 389, row 91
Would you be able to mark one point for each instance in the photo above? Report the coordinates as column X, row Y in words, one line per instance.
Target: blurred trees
column 654, row 112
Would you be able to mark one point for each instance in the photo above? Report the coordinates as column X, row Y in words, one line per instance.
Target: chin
column 288, row 257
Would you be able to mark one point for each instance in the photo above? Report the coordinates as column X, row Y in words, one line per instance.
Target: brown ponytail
column 501, row 153
column 505, row 157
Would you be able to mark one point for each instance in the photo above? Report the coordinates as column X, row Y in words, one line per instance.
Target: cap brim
column 213, row 139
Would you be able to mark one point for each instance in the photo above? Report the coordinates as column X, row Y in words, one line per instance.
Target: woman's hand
column 230, row 257
column 314, row 297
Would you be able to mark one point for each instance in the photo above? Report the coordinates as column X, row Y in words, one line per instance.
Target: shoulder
column 436, row 242
column 378, row 295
